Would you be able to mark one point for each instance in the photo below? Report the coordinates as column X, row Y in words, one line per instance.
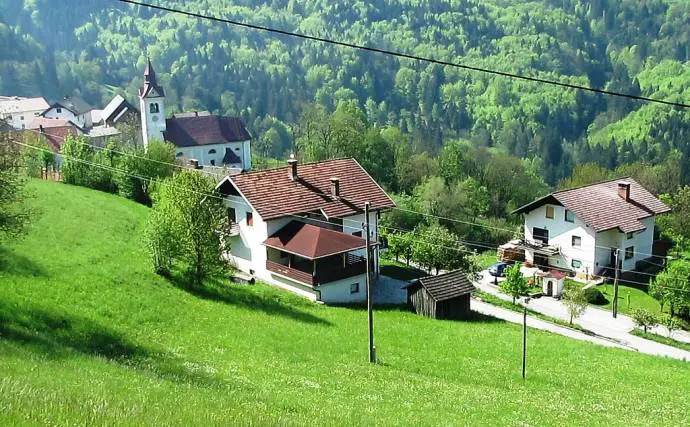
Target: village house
column 73, row 109
column 446, row 296
column 202, row 137
column 300, row 227
column 582, row 229
column 19, row 112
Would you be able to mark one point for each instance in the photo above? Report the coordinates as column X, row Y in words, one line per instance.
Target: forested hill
column 95, row 47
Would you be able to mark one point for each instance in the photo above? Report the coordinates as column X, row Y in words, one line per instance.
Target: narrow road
column 596, row 320
column 533, row 322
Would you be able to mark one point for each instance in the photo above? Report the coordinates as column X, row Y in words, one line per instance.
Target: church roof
column 204, row 130
column 150, row 82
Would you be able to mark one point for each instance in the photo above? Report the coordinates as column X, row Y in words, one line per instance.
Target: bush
column 595, row 296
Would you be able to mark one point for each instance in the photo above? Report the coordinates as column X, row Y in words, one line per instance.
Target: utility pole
column 370, row 305
column 615, row 284
column 524, row 341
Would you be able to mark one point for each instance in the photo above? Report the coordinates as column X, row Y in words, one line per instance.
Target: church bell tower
column 152, row 107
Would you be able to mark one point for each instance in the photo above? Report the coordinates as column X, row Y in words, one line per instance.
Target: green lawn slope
column 88, row 335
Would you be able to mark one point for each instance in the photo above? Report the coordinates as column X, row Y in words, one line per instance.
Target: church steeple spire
column 150, row 73
column 152, row 106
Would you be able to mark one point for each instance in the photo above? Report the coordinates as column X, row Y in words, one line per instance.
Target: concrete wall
column 561, row 233
column 642, row 242
column 20, row 119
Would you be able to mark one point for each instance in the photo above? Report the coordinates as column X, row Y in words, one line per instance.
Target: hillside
column 88, row 335
column 268, row 80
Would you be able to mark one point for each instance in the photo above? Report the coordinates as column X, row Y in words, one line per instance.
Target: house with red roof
column 209, row 139
column 54, row 131
column 585, row 229
column 301, row 227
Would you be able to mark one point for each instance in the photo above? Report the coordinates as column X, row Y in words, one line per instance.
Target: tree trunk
column 571, row 320
column 645, row 328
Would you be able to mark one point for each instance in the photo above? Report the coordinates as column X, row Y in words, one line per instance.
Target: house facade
column 582, row 229
column 72, row 109
column 206, row 138
column 19, row 112
column 301, row 227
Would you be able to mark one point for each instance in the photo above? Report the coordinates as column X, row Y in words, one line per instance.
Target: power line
column 404, row 55
column 205, row 194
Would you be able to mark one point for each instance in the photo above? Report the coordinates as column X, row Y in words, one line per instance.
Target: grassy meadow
column 89, row 335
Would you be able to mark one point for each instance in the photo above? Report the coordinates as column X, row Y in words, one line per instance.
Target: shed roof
column 313, row 242
column 446, row 286
column 600, row 207
column 273, row 194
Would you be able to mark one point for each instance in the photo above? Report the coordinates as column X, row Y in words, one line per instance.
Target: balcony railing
column 234, row 229
column 326, row 272
column 291, row 273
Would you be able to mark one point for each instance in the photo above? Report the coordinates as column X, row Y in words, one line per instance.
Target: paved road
column 598, row 321
column 533, row 322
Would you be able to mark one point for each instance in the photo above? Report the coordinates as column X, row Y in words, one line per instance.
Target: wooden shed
column 441, row 297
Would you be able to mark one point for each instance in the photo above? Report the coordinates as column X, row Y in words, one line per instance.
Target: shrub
column 595, row 296
column 644, row 318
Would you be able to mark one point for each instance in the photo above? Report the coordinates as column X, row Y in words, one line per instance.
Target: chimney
column 335, row 187
column 293, row 168
column 624, row 190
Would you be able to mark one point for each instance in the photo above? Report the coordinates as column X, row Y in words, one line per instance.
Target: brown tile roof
column 274, row 195
column 446, row 286
column 204, row 130
column 313, row 242
column 39, row 122
column 600, row 207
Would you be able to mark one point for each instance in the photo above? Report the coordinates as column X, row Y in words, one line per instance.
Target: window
column 153, row 108
column 180, row 154
column 576, row 263
column 237, row 148
column 549, row 212
column 21, row 117
column 250, row 219
column 357, row 233
column 630, row 252
column 58, row 110
column 213, row 162
column 354, row 288
column 569, row 216
column 630, row 235
column 212, row 151
column 577, row 241
column 232, row 215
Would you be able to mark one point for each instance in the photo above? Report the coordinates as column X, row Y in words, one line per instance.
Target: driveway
column 598, row 321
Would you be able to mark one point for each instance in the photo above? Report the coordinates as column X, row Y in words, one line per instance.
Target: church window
column 212, row 151
column 180, row 154
column 153, row 108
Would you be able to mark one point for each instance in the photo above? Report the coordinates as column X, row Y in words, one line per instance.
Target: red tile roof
column 273, row 194
column 600, row 207
column 49, row 123
column 55, row 136
column 204, row 130
column 313, row 242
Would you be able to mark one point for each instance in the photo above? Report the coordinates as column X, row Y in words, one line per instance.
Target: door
column 549, row 288
column 540, row 235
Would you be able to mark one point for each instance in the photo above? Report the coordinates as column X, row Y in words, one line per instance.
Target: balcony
column 234, row 229
column 320, row 271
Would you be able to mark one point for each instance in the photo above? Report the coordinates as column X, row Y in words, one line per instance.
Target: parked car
column 498, row 269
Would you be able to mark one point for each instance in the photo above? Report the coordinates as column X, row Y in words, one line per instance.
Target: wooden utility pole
column 615, row 283
column 524, row 341
column 370, row 302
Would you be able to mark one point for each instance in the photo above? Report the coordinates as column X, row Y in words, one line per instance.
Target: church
column 209, row 139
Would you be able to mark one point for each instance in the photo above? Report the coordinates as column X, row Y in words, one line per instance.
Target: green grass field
column 88, row 335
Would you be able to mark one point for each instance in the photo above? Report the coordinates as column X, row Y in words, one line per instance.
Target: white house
column 300, row 227
column 581, row 229
column 210, row 139
column 20, row 112
column 72, row 109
